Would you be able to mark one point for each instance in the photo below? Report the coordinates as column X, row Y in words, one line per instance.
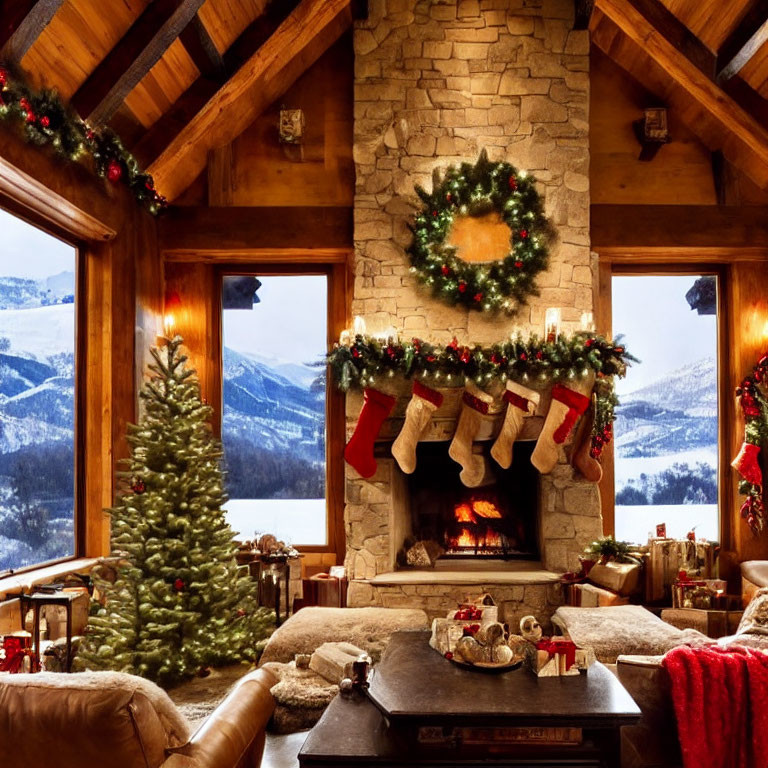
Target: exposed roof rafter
column 297, row 43
column 744, row 42
column 142, row 46
column 21, row 22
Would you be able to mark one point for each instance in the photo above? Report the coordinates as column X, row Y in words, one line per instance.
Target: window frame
column 336, row 274
column 607, row 270
column 81, row 334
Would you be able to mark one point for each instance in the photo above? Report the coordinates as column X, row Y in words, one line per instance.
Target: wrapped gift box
column 667, row 557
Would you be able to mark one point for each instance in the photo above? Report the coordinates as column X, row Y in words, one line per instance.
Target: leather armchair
column 59, row 723
column 754, row 575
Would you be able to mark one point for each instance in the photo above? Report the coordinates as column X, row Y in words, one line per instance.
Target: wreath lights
column 364, row 359
column 44, row 120
column 754, row 406
column 477, row 190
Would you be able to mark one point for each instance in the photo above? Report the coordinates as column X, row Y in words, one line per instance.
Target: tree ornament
column 179, row 585
column 418, row 414
column 45, row 121
column 476, row 190
column 114, row 171
column 138, row 486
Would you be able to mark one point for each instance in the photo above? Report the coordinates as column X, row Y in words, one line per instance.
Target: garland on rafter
column 476, row 190
column 754, row 406
column 45, row 120
column 360, row 362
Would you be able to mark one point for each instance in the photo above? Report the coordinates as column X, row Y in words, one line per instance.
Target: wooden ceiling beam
column 21, row 22
column 296, row 44
column 663, row 232
column 202, row 50
column 743, row 137
column 151, row 145
column 142, row 46
column 742, row 44
column 190, row 233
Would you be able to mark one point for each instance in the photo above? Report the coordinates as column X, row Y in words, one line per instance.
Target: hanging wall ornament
column 504, row 200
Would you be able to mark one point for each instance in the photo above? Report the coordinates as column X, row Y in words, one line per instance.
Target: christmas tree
column 175, row 603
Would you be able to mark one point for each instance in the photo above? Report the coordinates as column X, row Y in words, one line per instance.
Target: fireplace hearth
column 495, row 521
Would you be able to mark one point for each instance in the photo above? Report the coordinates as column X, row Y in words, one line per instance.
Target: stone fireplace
column 435, row 83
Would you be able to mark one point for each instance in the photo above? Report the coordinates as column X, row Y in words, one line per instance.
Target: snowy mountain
column 269, row 410
column 24, row 293
column 674, row 414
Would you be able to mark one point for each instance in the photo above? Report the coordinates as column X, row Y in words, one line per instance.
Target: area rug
column 197, row 698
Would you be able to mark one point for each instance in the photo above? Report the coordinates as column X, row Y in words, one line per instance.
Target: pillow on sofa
column 755, row 618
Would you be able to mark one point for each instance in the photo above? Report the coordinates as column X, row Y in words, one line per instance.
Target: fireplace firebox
column 497, row 520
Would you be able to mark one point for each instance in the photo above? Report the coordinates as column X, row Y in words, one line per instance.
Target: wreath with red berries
column 477, row 190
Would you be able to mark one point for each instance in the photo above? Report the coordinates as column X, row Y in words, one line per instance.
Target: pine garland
column 754, row 406
column 365, row 359
column 476, row 190
column 45, row 120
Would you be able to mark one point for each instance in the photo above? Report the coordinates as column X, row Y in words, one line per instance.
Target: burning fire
column 470, row 513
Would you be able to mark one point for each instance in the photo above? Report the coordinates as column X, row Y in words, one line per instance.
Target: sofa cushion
column 368, row 628
column 623, row 629
column 755, row 618
column 756, row 571
column 89, row 717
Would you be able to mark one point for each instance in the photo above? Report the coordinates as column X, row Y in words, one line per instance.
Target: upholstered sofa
column 108, row 718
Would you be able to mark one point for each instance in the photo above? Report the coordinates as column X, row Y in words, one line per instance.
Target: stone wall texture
column 437, row 81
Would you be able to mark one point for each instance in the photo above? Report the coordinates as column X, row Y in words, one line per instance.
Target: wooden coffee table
column 424, row 710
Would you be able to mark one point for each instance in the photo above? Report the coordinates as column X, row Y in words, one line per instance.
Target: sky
column 289, row 324
column 27, row 251
column 659, row 327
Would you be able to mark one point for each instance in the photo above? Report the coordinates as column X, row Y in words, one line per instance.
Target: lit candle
column 358, row 326
column 551, row 324
column 587, row 321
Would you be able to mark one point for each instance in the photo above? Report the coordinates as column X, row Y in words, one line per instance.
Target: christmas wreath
column 754, row 406
column 477, row 190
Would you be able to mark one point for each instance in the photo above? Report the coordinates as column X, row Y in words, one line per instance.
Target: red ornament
column 454, row 343
column 462, row 287
column 178, row 585
column 519, row 264
column 594, row 452
column 3, row 76
column 434, row 213
column 31, row 117
column 114, row 171
column 539, row 355
column 448, row 655
column 138, row 486
column 355, row 353
column 589, row 342
column 523, row 233
column 45, row 121
column 431, row 358
column 478, row 296
column 24, row 104
column 465, row 356
column 445, row 269
column 523, row 356
column 512, row 183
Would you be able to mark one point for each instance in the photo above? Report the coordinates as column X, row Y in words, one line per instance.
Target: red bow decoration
column 566, row 647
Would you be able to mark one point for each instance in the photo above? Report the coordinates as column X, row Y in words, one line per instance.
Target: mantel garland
column 44, row 119
column 754, row 406
column 358, row 364
column 476, row 190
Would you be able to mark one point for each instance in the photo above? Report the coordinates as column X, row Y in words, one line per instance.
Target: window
column 274, row 412
column 37, row 396
column 666, row 431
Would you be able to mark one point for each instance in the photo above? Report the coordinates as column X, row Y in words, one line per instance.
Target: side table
column 36, row 601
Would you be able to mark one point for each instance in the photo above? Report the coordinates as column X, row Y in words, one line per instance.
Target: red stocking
column 359, row 451
column 748, row 463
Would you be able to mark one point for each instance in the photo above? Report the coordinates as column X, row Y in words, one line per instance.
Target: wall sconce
column 652, row 131
column 291, row 126
column 172, row 305
column 551, row 324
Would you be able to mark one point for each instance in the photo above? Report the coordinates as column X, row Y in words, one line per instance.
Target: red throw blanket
column 721, row 702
